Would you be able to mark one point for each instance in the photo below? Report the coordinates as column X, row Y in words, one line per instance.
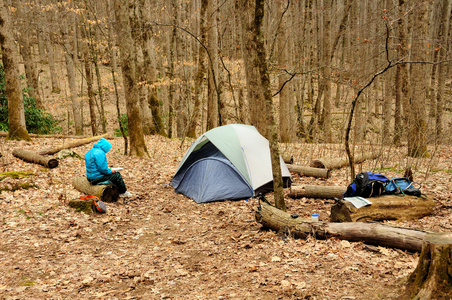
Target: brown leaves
column 159, row 244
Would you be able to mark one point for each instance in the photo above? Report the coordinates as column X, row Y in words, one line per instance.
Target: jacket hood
column 103, row 144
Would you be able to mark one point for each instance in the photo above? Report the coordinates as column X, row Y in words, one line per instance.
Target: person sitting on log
column 97, row 170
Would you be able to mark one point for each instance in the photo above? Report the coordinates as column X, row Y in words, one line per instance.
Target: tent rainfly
column 230, row 162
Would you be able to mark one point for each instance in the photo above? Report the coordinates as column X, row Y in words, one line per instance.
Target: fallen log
column 370, row 233
column 106, row 193
column 339, row 162
column 35, row 158
column 308, row 171
column 432, row 278
column 73, row 144
column 316, row 191
column 56, row 136
column 387, row 207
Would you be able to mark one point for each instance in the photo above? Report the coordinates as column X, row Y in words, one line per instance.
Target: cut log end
column 432, row 278
column 53, row 163
column 110, row 194
column 318, row 163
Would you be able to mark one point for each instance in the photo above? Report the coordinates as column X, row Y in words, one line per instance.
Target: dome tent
column 229, row 162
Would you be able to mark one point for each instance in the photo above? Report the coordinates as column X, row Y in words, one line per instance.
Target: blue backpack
column 367, row 184
column 402, row 186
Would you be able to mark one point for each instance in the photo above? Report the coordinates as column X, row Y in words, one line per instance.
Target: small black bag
column 412, row 191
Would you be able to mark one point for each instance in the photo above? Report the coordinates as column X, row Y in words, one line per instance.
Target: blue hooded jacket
column 96, row 160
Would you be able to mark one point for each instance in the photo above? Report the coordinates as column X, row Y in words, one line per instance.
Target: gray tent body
column 211, row 177
column 230, row 162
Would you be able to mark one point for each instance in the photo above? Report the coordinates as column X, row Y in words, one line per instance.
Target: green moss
column 26, row 282
column 17, row 175
column 448, row 171
column 18, row 186
column 81, row 205
column 390, row 169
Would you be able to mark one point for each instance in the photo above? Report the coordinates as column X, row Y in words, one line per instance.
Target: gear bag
column 402, row 185
column 367, row 184
column 99, row 205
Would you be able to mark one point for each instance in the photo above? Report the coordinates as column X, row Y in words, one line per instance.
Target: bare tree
column 17, row 129
column 256, row 51
column 255, row 96
column 69, row 54
column 200, row 71
column 128, row 55
column 417, row 118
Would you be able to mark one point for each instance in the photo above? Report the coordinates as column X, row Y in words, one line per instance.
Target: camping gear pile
column 368, row 184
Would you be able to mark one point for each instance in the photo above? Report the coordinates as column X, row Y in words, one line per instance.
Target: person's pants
column 114, row 178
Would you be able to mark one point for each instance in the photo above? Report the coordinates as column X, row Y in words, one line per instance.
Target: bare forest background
column 179, row 68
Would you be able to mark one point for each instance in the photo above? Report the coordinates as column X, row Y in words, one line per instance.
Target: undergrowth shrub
column 125, row 126
column 37, row 120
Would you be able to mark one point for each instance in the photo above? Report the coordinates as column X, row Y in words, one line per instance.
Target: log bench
column 106, row 193
column 387, row 207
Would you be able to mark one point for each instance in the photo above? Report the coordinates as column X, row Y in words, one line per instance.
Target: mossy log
column 73, row 144
column 308, row 171
column 82, row 205
column 106, row 193
column 316, row 191
column 387, row 207
column 370, row 233
column 432, row 278
column 339, row 162
column 33, row 157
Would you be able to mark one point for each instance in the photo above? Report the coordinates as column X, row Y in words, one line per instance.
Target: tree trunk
column 264, row 85
column 52, row 66
column 387, row 207
column 128, row 55
column 339, row 162
column 417, row 125
column 370, row 233
column 77, row 143
column 308, row 171
column 200, row 72
column 16, row 113
column 213, row 115
column 285, row 96
column 150, row 71
column 432, row 278
column 30, row 69
column 113, row 71
column 70, row 68
column 316, row 191
column 401, row 85
column 256, row 102
column 106, row 193
column 89, row 83
column 35, row 158
column 326, row 113
column 442, row 73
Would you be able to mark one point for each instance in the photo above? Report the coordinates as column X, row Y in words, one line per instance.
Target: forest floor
column 161, row 245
